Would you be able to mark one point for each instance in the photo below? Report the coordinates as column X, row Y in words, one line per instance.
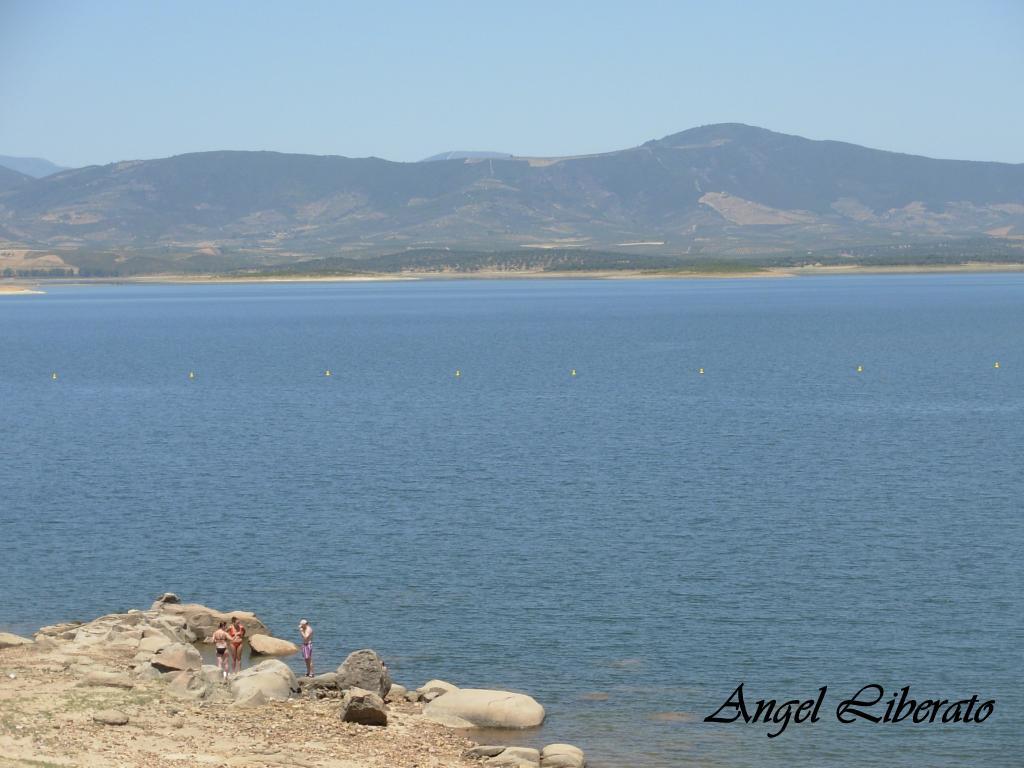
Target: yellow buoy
column 327, row 372
column 191, row 374
column 996, row 365
column 700, row 371
column 572, row 372
column 54, row 375
column 458, row 373
column 860, row 369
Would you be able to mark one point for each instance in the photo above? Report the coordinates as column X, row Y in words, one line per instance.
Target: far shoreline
column 817, row 270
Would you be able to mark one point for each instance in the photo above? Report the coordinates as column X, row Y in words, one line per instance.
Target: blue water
column 638, row 530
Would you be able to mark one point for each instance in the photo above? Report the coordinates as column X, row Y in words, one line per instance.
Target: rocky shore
column 131, row 689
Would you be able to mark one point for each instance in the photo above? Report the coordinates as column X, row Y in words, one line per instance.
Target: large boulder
column 265, row 645
column 268, row 680
column 7, row 640
column 203, row 621
column 363, row 707
column 176, row 658
column 364, row 669
column 562, row 756
column 482, row 708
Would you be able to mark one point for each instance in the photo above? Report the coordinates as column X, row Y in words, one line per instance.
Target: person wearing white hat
column 307, row 645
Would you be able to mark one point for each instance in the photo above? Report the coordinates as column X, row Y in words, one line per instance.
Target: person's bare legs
column 309, row 664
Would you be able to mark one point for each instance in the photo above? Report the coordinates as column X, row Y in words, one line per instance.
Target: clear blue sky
column 94, row 82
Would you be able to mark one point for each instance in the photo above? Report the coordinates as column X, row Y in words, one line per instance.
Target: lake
column 639, row 530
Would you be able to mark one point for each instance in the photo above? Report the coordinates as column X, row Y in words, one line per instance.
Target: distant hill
column 11, row 179
column 36, row 167
column 463, row 155
column 725, row 191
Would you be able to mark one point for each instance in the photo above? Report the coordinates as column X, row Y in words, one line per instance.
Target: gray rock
column 363, row 707
column 110, row 717
column 177, row 657
column 364, row 669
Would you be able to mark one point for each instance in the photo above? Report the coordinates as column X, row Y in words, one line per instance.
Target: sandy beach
column 7, row 289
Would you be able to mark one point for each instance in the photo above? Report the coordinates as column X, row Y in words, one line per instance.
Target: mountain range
column 726, row 191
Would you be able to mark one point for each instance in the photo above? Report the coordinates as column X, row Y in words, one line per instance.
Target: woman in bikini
column 220, row 640
column 236, row 632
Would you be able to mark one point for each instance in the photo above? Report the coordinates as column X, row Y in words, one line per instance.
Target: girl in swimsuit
column 237, row 634
column 220, row 640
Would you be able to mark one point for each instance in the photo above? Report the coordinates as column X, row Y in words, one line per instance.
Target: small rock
column 363, row 707
column 110, row 717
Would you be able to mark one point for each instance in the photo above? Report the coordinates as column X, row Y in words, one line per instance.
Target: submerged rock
column 483, row 708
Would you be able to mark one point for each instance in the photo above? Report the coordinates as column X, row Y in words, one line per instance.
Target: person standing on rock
column 307, row 645
column 236, row 632
column 220, row 641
